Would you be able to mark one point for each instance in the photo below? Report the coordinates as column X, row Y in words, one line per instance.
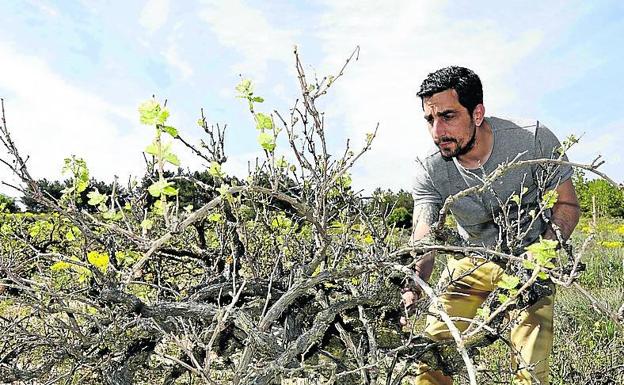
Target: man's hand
column 409, row 297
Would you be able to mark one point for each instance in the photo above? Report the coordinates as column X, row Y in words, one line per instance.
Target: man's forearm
column 565, row 213
column 424, row 216
column 564, row 220
column 424, row 266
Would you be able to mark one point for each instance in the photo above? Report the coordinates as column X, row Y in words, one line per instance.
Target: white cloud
column 51, row 119
column 402, row 41
column 44, row 8
column 173, row 58
column 172, row 55
column 247, row 31
column 154, row 14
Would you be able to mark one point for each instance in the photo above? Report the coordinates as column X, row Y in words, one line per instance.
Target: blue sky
column 74, row 72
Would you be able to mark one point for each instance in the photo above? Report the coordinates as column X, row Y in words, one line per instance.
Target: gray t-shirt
column 477, row 214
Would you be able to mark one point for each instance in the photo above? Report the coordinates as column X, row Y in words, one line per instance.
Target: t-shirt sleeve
column 548, row 146
column 423, row 189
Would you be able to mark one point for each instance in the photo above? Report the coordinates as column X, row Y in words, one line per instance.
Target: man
column 470, row 146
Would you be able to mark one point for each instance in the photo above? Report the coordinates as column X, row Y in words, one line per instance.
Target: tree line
column 398, row 205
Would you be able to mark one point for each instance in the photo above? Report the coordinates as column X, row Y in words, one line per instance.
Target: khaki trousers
column 531, row 338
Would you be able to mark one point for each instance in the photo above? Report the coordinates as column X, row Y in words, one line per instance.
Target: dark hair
column 464, row 81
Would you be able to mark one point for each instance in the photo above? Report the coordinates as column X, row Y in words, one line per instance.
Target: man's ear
column 478, row 114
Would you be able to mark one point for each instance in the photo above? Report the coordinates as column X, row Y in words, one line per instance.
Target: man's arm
column 427, row 204
column 565, row 212
column 425, row 215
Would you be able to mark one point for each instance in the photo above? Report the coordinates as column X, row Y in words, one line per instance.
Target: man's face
column 452, row 128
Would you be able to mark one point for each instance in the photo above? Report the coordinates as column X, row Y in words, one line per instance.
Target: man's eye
column 448, row 117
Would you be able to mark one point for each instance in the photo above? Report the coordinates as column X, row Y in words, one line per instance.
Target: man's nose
column 438, row 128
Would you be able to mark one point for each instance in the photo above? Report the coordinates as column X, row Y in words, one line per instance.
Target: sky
column 72, row 74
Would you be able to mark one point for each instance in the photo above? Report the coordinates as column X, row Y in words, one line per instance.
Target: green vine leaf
column 282, row 222
column 345, row 181
column 542, row 275
column 543, row 252
column 163, row 116
column 336, row 227
column 152, row 149
column 112, row 215
column 264, row 122
column 172, row 158
column 70, row 236
column 168, row 155
column 160, row 207
column 368, row 239
column 281, row 162
column 99, row 260
column 528, row 264
column 162, row 187
column 214, row 217
column 149, row 112
column 508, row 282
column 60, row 266
column 550, row 198
column 147, row 224
column 163, row 151
column 484, row 312
column 267, row 141
column 224, row 191
column 77, row 167
column 215, row 170
column 96, row 198
column 171, row 131
column 244, row 88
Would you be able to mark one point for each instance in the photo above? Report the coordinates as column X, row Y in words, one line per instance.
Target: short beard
column 459, row 151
